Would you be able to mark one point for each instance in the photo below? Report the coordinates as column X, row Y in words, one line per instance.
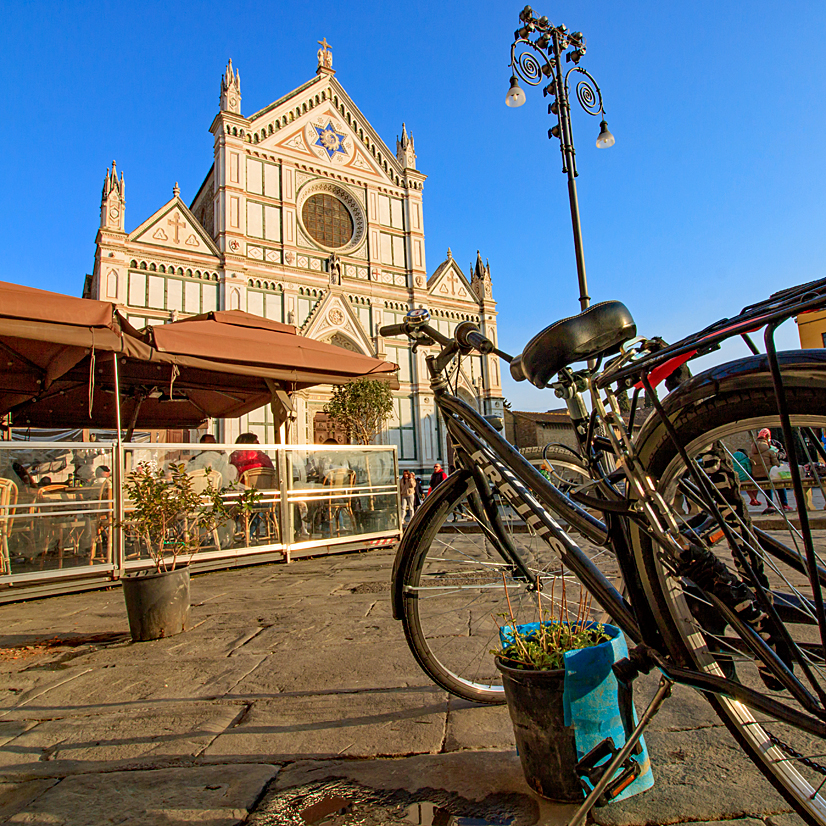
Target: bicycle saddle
column 597, row 331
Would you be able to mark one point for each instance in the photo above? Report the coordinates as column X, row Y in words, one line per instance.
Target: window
column 327, row 220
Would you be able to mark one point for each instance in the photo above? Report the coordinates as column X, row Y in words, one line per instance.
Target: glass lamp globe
column 515, row 96
column 605, row 139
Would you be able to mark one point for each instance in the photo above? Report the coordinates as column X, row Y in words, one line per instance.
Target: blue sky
column 712, row 198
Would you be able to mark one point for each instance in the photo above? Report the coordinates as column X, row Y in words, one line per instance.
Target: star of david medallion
column 331, row 141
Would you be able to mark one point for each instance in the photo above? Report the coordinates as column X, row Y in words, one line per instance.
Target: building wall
column 812, row 328
column 249, row 241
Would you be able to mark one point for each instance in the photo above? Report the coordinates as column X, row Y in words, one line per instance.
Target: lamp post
column 536, row 57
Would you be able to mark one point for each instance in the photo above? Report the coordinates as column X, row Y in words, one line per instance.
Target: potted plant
column 562, row 699
column 169, row 517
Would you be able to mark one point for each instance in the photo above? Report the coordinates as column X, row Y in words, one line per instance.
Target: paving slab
column 699, row 775
column 91, row 689
column 367, row 665
column 470, row 726
column 100, row 742
column 208, row 795
column 358, row 724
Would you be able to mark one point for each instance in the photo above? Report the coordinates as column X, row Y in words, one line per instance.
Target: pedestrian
column 436, row 478
column 419, row 493
column 407, row 491
column 763, row 458
column 742, row 466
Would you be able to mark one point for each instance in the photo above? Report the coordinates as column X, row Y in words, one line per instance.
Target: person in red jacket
column 248, row 459
column 436, row 478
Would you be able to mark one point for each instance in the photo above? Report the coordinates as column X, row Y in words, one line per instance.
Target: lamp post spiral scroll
column 536, row 57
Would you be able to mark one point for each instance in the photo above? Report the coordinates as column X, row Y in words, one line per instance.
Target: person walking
column 763, row 458
column 436, row 478
column 407, row 491
column 742, row 466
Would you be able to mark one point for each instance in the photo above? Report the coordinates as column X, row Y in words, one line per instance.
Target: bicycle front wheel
column 696, row 633
column 457, row 588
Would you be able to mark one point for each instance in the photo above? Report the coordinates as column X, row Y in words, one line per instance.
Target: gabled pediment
column 334, row 320
column 173, row 226
column 310, row 124
column 450, row 282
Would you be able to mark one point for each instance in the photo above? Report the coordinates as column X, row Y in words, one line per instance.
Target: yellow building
column 812, row 329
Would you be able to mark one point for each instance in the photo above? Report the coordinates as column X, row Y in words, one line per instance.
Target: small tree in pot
column 362, row 407
column 168, row 517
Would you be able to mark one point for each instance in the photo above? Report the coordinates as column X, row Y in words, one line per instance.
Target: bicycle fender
column 799, row 368
column 412, row 532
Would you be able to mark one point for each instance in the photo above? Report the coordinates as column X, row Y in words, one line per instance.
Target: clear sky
column 712, row 198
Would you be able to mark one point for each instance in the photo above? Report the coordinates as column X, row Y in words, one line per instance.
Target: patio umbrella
column 219, row 365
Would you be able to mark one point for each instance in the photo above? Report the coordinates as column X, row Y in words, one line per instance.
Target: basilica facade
column 306, row 217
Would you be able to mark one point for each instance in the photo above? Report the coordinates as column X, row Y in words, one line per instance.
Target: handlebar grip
column 517, row 372
column 468, row 336
column 483, row 344
column 393, row 330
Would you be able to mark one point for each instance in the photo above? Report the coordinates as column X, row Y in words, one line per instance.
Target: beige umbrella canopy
column 55, row 370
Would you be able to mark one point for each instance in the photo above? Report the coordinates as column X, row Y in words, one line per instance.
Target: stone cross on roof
column 325, row 54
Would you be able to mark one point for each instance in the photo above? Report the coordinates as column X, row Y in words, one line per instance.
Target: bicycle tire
column 783, row 754
column 451, row 589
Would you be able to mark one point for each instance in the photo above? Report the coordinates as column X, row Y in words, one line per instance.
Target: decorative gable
column 173, row 226
column 449, row 282
column 334, row 320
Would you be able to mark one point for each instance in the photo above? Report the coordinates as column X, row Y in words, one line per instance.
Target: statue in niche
column 334, row 268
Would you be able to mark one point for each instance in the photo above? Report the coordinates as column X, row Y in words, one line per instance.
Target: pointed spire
column 175, row 191
column 405, row 151
column 231, row 90
column 449, row 253
column 112, row 200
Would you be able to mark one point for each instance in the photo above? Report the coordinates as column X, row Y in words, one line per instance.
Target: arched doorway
column 326, row 431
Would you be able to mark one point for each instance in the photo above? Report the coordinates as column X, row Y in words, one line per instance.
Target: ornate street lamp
column 536, row 58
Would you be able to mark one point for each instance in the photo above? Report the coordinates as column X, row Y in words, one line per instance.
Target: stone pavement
column 293, row 699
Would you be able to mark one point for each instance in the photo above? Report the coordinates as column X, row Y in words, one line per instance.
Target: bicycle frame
column 492, row 461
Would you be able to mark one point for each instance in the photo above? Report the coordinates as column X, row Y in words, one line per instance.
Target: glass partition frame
column 354, row 499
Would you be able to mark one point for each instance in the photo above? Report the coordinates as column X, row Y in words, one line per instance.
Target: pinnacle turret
column 112, row 200
column 405, row 151
column 231, row 90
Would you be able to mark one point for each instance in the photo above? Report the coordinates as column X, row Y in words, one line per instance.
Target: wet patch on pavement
column 345, row 803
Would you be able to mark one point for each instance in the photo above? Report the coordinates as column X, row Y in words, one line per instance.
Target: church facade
column 306, row 217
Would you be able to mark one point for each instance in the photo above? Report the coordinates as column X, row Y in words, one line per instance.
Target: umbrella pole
column 117, row 528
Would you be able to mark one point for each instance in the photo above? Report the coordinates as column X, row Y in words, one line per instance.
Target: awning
column 218, row 365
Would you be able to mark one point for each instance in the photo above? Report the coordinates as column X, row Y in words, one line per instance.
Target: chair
column 340, row 477
column 103, row 529
column 8, row 503
column 202, row 481
column 263, row 479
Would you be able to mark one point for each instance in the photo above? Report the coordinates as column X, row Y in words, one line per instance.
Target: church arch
column 152, row 267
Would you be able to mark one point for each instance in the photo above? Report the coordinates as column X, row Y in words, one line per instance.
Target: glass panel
column 229, row 469
column 339, row 493
column 56, row 506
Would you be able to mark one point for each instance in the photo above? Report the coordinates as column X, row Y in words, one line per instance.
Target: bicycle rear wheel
column 456, row 585
column 695, row 632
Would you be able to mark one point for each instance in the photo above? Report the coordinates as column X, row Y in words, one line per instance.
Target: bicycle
column 707, row 593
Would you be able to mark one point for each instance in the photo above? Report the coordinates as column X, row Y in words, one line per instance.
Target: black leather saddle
column 597, row 331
